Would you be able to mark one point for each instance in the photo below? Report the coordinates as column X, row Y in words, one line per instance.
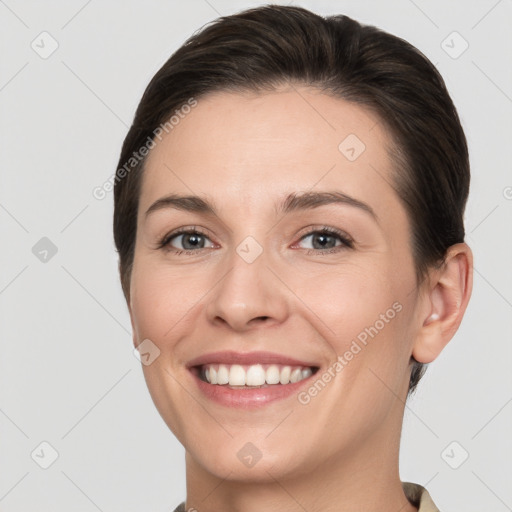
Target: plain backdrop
column 71, row 76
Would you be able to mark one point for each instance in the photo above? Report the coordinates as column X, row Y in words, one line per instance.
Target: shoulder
column 418, row 496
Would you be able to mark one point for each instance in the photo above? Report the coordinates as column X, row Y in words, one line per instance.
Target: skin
column 245, row 153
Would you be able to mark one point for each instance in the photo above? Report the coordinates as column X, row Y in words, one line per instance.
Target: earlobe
column 134, row 332
column 447, row 298
column 132, row 322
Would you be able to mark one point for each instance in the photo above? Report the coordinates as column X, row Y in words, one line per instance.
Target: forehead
column 247, row 147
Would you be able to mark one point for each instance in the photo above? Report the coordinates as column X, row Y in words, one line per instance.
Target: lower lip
column 249, row 398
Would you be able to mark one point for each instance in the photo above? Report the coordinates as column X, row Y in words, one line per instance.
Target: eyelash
column 346, row 241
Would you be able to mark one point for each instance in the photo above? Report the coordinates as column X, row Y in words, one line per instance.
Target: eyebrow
column 293, row 202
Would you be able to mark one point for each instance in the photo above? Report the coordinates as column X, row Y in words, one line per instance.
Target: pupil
column 193, row 241
column 324, row 237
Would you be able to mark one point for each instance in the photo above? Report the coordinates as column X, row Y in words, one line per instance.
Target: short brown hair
column 263, row 48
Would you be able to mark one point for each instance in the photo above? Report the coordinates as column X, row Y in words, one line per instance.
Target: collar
column 415, row 493
column 419, row 497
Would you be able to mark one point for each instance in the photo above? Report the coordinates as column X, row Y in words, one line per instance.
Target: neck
column 363, row 478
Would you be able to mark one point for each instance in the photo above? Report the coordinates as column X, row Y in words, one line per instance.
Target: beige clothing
column 419, row 497
column 415, row 493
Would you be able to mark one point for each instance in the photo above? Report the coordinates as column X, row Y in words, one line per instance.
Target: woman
column 289, row 219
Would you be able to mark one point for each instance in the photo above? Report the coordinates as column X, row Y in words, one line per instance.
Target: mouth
column 258, row 375
column 249, row 380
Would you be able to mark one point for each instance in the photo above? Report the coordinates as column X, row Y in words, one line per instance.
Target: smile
column 249, row 380
column 256, row 375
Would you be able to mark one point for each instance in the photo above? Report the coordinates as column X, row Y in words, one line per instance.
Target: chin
column 242, row 461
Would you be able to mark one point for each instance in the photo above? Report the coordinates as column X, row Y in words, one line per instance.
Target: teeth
column 254, row 375
column 273, row 375
column 306, row 372
column 296, row 375
column 222, row 375
column 284, row 377
column 236, row 375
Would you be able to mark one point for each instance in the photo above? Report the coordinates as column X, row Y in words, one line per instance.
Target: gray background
column 67, row 372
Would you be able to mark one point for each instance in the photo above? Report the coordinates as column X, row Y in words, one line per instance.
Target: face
column 294, row 275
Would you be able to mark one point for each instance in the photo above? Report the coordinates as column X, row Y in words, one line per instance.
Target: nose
column 247, row 296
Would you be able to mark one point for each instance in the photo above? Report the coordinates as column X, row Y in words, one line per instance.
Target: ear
column 134, row 331
column 446, row 299
column 126, row 288
column 128, row 297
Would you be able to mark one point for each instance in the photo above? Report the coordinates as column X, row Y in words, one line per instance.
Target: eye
column 326, row 239
column 186, row 240
column 323, row 240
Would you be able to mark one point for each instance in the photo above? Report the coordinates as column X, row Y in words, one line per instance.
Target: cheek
column 163, row 302
column 362, row 313
column 163, row 298
column 347, row 300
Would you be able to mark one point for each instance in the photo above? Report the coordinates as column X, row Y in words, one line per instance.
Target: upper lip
column 247, row 358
